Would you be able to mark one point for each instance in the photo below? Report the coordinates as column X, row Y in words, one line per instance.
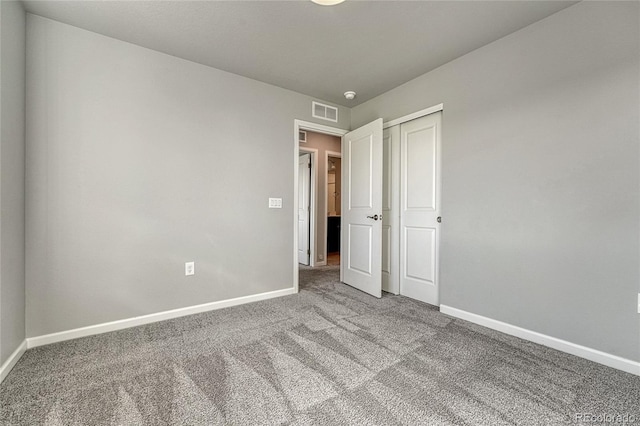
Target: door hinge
column 308, row 251
column 309, row 165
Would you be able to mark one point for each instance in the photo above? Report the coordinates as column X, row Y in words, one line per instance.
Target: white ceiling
column 368, row 47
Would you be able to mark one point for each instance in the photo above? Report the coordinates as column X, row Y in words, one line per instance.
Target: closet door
column 391, row 210
column 420, row 208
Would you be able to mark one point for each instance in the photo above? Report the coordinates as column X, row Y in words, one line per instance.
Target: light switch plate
column 275, row 203
column 190, row 268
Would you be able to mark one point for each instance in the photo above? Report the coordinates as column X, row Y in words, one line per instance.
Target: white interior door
column 361, row 227
column 420, row 208
column 304, row 203
column 391, row 210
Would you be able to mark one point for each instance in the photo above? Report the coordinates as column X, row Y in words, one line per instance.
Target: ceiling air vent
column 324, row 112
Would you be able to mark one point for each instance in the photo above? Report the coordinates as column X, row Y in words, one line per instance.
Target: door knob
column 374, row 217
column 439, row 219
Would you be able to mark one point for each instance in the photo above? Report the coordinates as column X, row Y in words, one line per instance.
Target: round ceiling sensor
column 327, row 2
column 350, row 94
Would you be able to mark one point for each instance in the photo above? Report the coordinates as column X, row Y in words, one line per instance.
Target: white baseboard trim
column 12, row 360
column 594, row 355
column 106, row 327
column 321, row 263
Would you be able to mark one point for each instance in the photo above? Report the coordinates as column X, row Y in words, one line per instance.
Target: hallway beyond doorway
column 333, row 258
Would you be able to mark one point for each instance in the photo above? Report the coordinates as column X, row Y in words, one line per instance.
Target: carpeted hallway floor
column 329, row 355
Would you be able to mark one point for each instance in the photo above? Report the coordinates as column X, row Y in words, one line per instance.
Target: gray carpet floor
column 329, row 355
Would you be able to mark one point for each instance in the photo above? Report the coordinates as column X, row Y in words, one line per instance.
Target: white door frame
column 413, row 116
column 318, row 128
column 313, row 200
column 328, row 154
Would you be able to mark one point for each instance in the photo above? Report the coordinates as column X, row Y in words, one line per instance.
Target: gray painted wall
column 139, row 162
column 12, row 122
column 540, row 154
column 322, row 143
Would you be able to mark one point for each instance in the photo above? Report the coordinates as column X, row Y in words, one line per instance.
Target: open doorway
column 334, row 206
column 323, row 143
column 325, row 205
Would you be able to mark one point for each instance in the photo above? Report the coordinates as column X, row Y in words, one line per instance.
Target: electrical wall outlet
column 190, row 268
column 321, row 256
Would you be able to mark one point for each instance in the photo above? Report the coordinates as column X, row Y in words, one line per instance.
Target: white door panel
column 387, row 158
column 361, row 172
column 420, row 208
column 360, row 248
column 361, row 234
column 391, row 210
column 419, row 259
column 386, row 253
column 418, row 173
column 304, row 203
